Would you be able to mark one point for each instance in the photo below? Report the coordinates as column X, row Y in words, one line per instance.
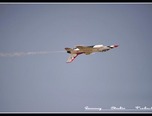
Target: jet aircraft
column 74, row 52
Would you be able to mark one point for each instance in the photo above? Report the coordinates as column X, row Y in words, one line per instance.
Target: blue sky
column 46, row 83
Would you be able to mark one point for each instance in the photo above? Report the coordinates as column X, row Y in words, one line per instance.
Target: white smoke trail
column 18, row 54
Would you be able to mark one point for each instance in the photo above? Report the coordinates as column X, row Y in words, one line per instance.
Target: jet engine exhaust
column 19, row 54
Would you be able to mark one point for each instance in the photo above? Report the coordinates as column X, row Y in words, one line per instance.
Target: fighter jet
column 74, row 52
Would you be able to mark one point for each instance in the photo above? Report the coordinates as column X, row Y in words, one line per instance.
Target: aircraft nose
column 116, row 46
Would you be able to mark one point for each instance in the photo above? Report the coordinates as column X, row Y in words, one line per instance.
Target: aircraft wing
column 71, row 57
column 86, row 49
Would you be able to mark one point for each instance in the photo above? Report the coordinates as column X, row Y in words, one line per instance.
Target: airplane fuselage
column 89, row 49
